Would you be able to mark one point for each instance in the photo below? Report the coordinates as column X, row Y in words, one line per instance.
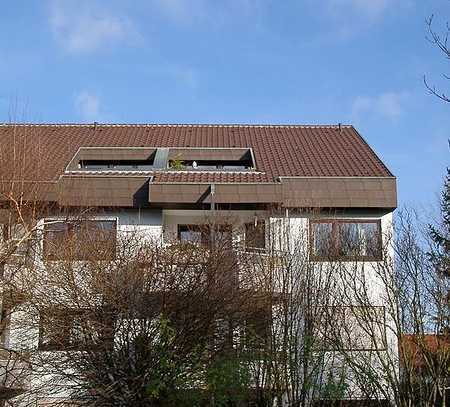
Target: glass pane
column 198, row 234
column 349, row 239
column 359, row 239
column 255, row 235
column 104, row 225
column 94, row 240
column 55, row 237
column 370, row 239
column 322, row 239
column 54, row 330
column 223, row 236
column 192, row 236
column 84, row 240
column 257, row 328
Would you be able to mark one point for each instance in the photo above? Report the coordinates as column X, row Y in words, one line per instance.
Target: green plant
column 177, row 163
column 228, row 382
column 335, row 387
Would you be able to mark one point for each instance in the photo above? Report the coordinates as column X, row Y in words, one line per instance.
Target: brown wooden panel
column 340, row 192
column 103, row 191
column 100, row 153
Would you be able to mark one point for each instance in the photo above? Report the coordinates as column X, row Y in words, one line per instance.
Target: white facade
column 285, row 232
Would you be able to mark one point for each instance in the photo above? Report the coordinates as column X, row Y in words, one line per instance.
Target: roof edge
column 245, row 125
column 372, row 151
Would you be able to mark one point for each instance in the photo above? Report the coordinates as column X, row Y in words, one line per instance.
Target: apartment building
column 168, row 181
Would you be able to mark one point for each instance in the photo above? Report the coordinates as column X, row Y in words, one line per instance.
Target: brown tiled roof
column 415, row 349
column 304, row 151
column 213, row 177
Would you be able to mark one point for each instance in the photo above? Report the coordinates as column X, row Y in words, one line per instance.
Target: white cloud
column 345, row 18
column 182, row 10
column 368, row 8
column 389, row 105
column 87, row 105
column 83, row 27
column 191, row 11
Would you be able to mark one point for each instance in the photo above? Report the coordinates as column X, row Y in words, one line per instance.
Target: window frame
column 256, row 320
column 204, row 229
column 67, row 221
column 22, row 251
column 336, row 244
column 66, row 344
column 254, row 249
column 116, row 164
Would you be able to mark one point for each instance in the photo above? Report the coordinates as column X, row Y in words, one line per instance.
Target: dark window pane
column 322, row 236
column 94, row 240
column 74, row 329
column 55, row 237
column 118, row 165
column 84, row 240
column 345, row 240
column 223, row 236
column 54, row 330
column 196, row 234
column 257, row 328
column 349, row 239
column 359, row 239
column 255, row 236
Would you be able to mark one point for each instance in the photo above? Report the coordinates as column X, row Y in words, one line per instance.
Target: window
column 3, row 233
column 68, row 329
column 255, row 237
column 203, row 165
column 223, row 236
column 194, row 234
column 209, row 165
column 322, row 244
column 82, row 240
column 351, row 328
column 220, row 235
column 19, row 242
column 116, row 165
column 345, row 240
column 5, row 319
column 257, row 328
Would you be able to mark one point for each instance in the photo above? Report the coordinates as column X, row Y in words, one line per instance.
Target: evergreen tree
column 440, row 253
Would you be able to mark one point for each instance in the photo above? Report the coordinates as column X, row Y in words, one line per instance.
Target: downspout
column 213, row 203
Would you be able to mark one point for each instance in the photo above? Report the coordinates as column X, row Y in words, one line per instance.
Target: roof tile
column 316, row 151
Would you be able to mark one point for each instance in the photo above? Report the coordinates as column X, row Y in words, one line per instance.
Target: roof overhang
column 267, row 193
column 133, row 189
column 339, row 192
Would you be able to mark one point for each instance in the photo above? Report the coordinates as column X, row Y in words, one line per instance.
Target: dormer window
column 204, row 159
column 116, row 159
column 161, row 159
column 116, row 165
column 210, row 165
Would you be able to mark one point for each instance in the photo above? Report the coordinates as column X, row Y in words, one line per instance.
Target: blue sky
column 237, row 61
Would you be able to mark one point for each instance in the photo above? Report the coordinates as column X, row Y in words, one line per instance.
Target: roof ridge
column 176, row 125
column 162, row 171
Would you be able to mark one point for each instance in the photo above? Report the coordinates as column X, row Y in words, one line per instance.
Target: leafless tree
column 440, row 41
column 21, row 159
column 130, row 322
column 410, row 319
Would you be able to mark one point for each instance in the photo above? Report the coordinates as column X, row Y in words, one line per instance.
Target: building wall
column 290, row 232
